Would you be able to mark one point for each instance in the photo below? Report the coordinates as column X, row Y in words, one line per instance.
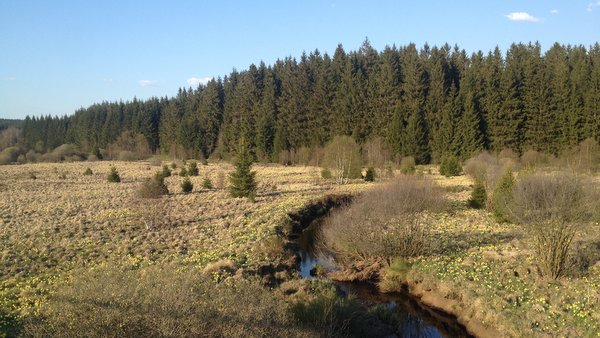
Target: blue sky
column 57, row 56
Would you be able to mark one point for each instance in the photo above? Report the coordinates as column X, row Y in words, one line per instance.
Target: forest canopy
column 424, row 103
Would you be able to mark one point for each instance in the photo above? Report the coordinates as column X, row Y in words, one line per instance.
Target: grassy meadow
column 57, row 223
column 63, row 220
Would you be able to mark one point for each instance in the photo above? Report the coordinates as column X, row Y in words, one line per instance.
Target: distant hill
column 5, row 123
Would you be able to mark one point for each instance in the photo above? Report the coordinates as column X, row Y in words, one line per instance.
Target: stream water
column 415, row 320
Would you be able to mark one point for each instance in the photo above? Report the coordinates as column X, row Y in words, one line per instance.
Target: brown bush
column 585, row 157
column 154, row 187
column 129, row 147
column 532, row 159
column 386, row 222
column 488, row 170
column 407, row 165
column 478, row 167
column 509, row 157
column 376, row 152
column 65, row 152
column 552, row 208
column 342, row 155
column 9, row 155
column 10, row 137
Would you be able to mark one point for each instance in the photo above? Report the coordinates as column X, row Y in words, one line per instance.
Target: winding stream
column 416, row 320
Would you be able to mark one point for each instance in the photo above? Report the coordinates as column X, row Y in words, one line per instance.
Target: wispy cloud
column 107, row 80
column 522, row 16
column 554, row 11
column 195, row 81
column 593, row 5
column 147, row 83
column 10, row 78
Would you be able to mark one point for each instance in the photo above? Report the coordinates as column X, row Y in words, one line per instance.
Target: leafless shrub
column 284, row 157
column 532, row 159
column 152, row 212
column 129, row 147
column 221, row 180
column 584, row 157
column 407, row 165
column 65, row 152
column 9, row 155
column 342, row 155
column 375, row 152
column 155, row 161
column 552, row 207
column 508, row 157
column 9, row 137
column 488, row 170
column 386, row 222
column 32, row 156
column 302, row 155
column 478, row 167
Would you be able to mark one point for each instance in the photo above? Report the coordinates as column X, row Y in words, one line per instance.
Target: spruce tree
column 415, row 142
column 242, row 180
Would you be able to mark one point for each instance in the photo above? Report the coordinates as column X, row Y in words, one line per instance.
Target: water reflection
column 411, row 320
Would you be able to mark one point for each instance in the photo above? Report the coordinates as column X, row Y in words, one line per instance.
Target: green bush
column 183, row 172
column 370, row 174
column 154, row 187
column 407, row 165
column 88, row 172
column 166, row 172
column 478, row 198
column 186, row 185
column 207, row 183
column 326, row 174
column 193, row 169
column 243, row 183
column 113, row 176
column 450, row 166
column 502, row 196
column 173, row 165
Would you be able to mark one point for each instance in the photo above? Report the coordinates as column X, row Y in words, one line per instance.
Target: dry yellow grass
column 51, row 223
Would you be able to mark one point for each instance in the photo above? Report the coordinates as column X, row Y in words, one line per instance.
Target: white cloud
column 10, row 78
column 522, row 16
column 591, row 5
column 554, row 11
column 147, row 83
column 195, row 81
column 107, row 80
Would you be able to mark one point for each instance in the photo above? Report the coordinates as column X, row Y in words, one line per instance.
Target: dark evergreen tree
column 242, row 180
column 426, row 102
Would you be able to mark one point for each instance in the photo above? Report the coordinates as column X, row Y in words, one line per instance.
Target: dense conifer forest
column 424, row 102
column 7, row 123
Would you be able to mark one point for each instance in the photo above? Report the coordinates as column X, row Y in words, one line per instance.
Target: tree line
column 425, row 103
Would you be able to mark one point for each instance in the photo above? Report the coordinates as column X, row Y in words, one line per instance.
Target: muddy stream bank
column 417, row 319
